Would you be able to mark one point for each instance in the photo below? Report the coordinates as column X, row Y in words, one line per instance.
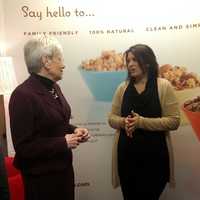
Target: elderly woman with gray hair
column 42, row 135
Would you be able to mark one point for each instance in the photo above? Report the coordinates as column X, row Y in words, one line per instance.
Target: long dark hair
column 146, row 59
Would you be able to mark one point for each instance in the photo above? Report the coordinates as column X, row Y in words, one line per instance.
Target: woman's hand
column 83, row 133
column 131, row 124
column 72, row 140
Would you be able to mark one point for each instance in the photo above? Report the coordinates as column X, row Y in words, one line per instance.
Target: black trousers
column 141, row 191
column 56, row 185
column 4, row 189
column 142, row 178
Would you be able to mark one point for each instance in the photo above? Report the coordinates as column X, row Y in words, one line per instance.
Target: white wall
column 2, row 30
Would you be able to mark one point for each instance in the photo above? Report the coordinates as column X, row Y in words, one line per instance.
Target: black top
column 144, row 157
column 48, row 84
column 146, row 104
column 45, row 81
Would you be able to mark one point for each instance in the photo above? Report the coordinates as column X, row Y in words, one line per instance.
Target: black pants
column 141, row 191
column 142, row 178
column 56, row 185
column 4, row 189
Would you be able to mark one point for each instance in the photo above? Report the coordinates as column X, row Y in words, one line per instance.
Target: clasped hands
column 80, row 135
column 130, row 124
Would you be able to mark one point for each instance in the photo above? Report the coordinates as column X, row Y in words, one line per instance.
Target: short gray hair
column 35, row 48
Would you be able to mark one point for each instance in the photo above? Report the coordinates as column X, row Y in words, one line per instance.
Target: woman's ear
column 45, row 61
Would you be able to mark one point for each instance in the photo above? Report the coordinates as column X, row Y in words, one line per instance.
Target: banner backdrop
column 94, row 35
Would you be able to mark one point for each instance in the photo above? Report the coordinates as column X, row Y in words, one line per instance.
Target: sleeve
column 170, row 119
column 71, row 128
column 26, row 142
column 114, row 118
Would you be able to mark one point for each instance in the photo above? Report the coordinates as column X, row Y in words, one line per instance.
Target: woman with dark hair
column 144, row 110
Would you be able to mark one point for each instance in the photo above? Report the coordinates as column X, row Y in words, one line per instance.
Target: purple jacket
column 38, row 125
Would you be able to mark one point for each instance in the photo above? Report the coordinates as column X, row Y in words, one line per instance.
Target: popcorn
column 193, row 105
column 108, row 61
column 179, row 77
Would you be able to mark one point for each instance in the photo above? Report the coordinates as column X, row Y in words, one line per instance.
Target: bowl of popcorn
column 191, row 109
column 103, row 74
column 185, row 83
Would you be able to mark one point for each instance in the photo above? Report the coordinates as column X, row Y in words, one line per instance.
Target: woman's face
column 133, row 66
column 56, row 66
